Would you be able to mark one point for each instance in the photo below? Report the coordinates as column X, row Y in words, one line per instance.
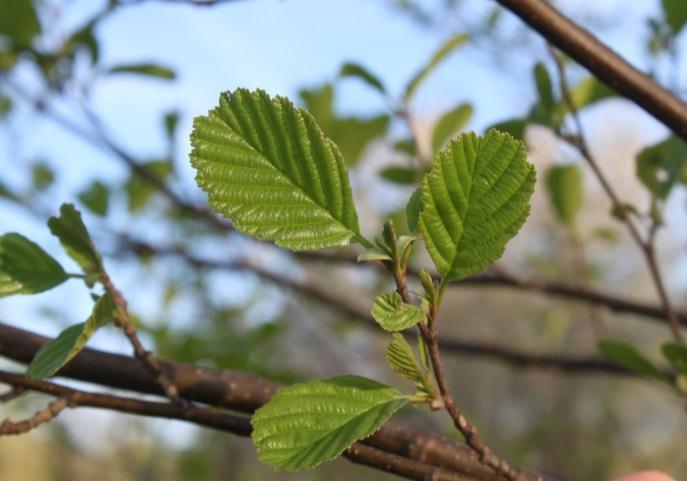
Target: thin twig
column 430, row 334
column 207, row 417
column 146, row 357
column 11, row 428
column 645, row 244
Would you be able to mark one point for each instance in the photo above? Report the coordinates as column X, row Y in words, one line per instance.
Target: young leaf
column 307, row 424
column 675, row 13
column 76, row 241
column 449, row 124
column 627, row 356
column 413, row 209
column 268, row 167
column 588, row 92
column 515, row 127
column 138, row 190
column 148, row 69
column 350, row 69
column 96, row 198
column 474, row 200
column 400, row 175
column 661, row 166
column 402, row 360
column 676, row 354
column 444, row 51
column 564, row 183
column 392, row 314
column 71, row 341
column 25, row 268
column 374, row 254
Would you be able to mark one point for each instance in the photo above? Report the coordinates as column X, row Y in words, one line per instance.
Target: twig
column 646, row 245
column 511, row 356
column 10, row 428
column 12, row 394
column 233, row 390
column 603, row 62
column 430, row 334
column 146, row 357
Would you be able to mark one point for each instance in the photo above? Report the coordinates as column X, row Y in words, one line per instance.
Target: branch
column 646, row 245
column 9, row 428
column 207, row 417
column 603, row 62
column 569, row 364
column 234, row 390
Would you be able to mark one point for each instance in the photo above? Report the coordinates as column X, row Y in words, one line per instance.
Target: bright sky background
column 279, row 46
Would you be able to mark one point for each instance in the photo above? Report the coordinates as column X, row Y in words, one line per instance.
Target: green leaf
column 413, row 209
column 140, row 191
column 661, row 166
column 474, row 200
column 42, row 176
column 19, row 22
column 676, row 354
column 76, row 241
column 402, row 360
column 352, row 135
column 25, row 268
column 307, row 424
column 675, row 13
column 450, row 123
column 588, row 92
column 401, row 175
column 350, row 69
column 439, row 56
column 268, row 167
column 147, row 69
column 544, row 87
column 514, row 127
column 564, row 183
column 96, row 198
column 393, row 315
column 374, row 254
column 72, row 340
column 627, row 356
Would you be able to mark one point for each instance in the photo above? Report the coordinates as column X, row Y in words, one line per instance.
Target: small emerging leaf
column 392, row 314
column 25, row 268
column 96, row 198
column 627, row 356
column 661, row 166
column 374, row 254
column 307, row 424
column 565, row 191
column 401, row 175
column 76, row 241
column 474, row 200
column 676, row 354
column 72, row 340
column 402, row 360
column 413, row 210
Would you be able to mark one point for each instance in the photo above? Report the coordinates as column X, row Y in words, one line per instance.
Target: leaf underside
column 268, row 167
column 475, row 199
column 307, row 424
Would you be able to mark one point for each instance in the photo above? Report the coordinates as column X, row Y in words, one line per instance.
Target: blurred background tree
column 96, row 104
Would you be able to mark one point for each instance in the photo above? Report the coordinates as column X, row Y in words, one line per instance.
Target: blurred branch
column 50, row 412
column 510, row 356
column 645, row 244
column 243, row 392
column 603, row 62
column 492, row 278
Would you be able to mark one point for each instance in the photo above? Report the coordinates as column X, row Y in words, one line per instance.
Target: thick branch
column 603, row 62
column 234, row 390
column 207, row 417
